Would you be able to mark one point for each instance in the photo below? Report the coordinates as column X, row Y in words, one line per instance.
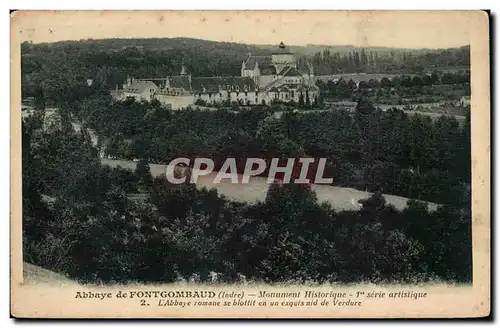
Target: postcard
column 250, row 164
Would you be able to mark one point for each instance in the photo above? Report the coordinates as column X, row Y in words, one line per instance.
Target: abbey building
column 263, row 79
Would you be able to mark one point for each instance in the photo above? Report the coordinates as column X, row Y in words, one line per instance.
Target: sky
column 399, row 29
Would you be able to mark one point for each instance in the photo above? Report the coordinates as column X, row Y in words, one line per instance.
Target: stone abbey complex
column 263, row 79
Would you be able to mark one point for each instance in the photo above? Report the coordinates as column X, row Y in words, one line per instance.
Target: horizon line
column 244, row 43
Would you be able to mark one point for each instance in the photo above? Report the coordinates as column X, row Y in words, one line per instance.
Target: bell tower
column 283, row 58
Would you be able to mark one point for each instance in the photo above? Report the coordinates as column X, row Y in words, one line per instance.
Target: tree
column 385, row 82
column 143, row 173
column 301, row 100
column 373, row 63
column 417, row 81
column 364, row 106
column 357, row 62
column 363, row 85
column 315, row 103
column 200, row 102
column 364, row 60
column 155, row 103
column 39, row 98
column 308, row 101
column 320, row 100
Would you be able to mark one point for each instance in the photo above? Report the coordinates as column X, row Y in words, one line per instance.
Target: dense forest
column 98, row 224
column 394, row 61
column 388, row 151
column 81, row 219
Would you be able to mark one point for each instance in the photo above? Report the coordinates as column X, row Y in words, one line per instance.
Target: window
column 256, row 100
column 220, row 94
column 246, row 93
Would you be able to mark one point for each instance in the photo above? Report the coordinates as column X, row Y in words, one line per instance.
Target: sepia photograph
column 306, row 163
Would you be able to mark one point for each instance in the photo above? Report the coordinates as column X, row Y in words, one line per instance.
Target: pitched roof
column 180, row 81
column 267, row 69
column 204, row 84
column 293, row 72
column 262, row 60
column 140, row 87
column 283, row 70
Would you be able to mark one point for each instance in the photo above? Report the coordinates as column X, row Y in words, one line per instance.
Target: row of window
column 220, row 94
column 277, row 95
column 237, row 87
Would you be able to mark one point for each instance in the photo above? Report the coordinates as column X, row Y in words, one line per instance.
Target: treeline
column 437, row 84
column 83, row 220
column 409, row 61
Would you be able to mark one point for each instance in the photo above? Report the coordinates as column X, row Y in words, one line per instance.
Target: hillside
column 239, row 49
column 34, row 274
column 153, row 44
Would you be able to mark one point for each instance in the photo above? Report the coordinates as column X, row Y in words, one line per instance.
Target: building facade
column 263, row 79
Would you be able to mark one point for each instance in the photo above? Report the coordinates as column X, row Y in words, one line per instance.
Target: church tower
column 283, row 58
